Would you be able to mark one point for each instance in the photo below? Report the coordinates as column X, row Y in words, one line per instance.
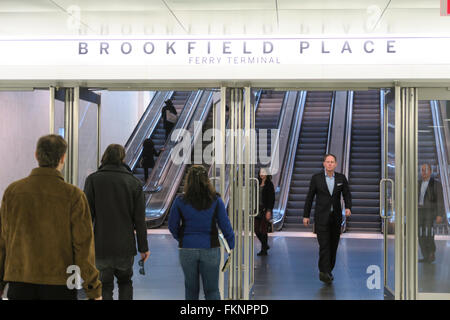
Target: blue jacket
column 194, row 228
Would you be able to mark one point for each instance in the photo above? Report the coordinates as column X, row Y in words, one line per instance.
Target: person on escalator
column 117, row 205
column 148, row 156
column 266, row 203
column 170, row 117
column 194, row 221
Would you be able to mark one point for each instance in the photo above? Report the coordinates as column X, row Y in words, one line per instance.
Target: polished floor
column 288, row 272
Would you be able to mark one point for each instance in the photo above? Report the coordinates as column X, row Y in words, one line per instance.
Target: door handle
column 257, row 198
column 382, row 197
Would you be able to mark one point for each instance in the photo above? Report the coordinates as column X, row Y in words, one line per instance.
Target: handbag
column 171, row 117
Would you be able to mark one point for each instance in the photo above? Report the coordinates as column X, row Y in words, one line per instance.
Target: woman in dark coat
column 168, row 126
column 148, row 154
column 266, row 203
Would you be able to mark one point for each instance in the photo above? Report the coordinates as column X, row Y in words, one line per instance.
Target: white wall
column 23, row 119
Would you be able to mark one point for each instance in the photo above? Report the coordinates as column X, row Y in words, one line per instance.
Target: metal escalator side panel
column 308, row 156
column 288, row 162
column 161, row 165
column 159, row 203
column 145, row 128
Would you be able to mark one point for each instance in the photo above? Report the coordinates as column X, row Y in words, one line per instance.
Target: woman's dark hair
column 114, row 154
column 198, row 190
column 268, row 176
column 50, row 149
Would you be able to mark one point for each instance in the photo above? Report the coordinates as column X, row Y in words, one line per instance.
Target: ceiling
column 24, row 18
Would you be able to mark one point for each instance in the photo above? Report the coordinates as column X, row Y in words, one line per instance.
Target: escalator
column 365, row 162
column 179, row 99
column 207, row 125
column 167, row 175
column 266, row 117
column 311, row 147
column 426, row 139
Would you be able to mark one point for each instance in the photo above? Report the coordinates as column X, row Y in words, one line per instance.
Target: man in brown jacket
column 46, row 234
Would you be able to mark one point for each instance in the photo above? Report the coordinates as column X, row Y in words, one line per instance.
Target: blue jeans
column 204, row 263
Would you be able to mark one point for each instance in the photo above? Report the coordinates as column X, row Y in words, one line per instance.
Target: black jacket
column 433, row 203
column 164, row 110
column 318, row 187
column 268, row 197
column 117, row 207
column 148, row 153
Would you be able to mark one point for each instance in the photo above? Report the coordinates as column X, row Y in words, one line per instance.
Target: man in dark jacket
column 46, row 232
column 328, row 186
column 167, row 118
column 118, row 209
column 431, row 209
column 148, row 156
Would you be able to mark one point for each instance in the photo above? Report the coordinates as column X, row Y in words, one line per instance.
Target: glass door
column 387, row 211
column 431, row 241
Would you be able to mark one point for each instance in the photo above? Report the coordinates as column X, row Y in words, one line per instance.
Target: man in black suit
column 431, row 209
column 328, row 186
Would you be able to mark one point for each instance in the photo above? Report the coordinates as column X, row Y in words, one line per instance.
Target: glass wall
column 433, row 197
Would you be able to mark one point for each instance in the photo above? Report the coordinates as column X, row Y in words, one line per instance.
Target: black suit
column 328, row 215
column 433, row 206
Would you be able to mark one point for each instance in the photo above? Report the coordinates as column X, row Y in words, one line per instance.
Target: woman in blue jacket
column 193, row 221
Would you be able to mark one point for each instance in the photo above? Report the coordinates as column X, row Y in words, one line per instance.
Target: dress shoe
column 262, row 253
column 324, row 277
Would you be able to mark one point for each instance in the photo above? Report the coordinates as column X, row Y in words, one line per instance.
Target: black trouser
column 261, row 225
column 28, row 291
column 168, row 128
column 145, row 173
column 328, row 236
column 426, row 233
column 122, row 269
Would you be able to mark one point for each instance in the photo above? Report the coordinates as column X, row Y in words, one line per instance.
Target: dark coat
column 167, row 108
column 148, row 153
column 318, row 187
column 117, row 206
column 268, row 197
column 433, row 203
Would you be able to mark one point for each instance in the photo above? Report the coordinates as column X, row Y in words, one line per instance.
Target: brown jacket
column 45, row 227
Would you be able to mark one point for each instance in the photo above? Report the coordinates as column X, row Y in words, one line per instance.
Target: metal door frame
column 438, row 93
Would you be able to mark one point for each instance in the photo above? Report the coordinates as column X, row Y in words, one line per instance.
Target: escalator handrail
column 347, row 146
column 330, row 121
column 133, row 149
column 196, row 134
column 441, row 154
column 161, row 169
column 348, row 134
column 280, row 125
column 288, row 165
